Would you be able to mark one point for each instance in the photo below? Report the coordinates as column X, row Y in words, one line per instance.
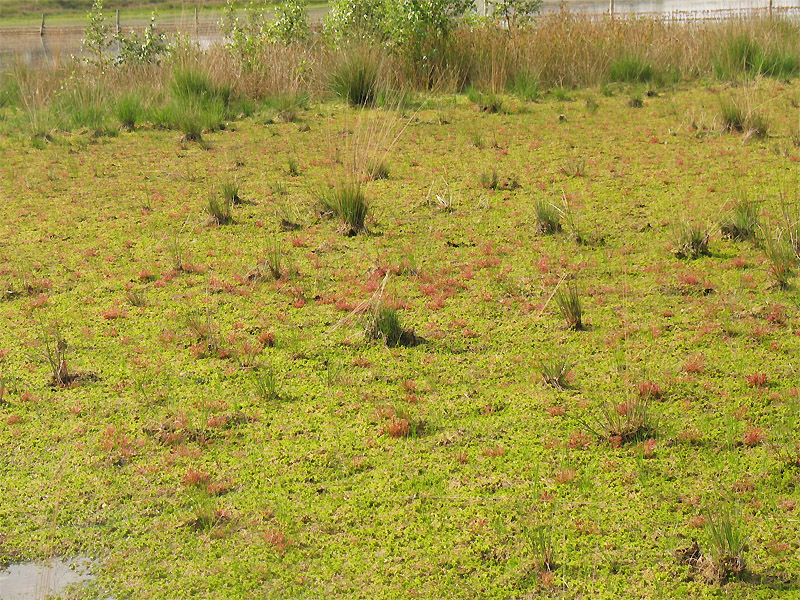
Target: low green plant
column 492, row 181
column 743, row 55
column 82, row 106
column 136, row 298
column 635, row 101
column 569, row 304
column 347, row 202
column 292, row 167
column 691, row 241
column 9, row 91
column 561, row 94
column 574, row 167
column 728, row 542
column 548, row 217
column 742, row 222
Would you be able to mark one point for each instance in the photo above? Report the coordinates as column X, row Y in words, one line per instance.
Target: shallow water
column 34, row 581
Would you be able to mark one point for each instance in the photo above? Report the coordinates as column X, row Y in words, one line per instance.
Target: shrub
column 631, row 68
column 691, row 241
column 129, row 110
column 515, row 13
column 355, row 76
column 150, row 47
column 569, row 304
column 728, row 543
column 291, row 22
column 548, row 217
column 55, row 352
column 741, row 223
column 357, row 19
column 347, row 202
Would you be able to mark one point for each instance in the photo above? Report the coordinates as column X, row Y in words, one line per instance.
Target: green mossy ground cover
column 440, row 469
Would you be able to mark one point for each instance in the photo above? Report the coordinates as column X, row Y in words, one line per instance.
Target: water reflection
column 33, row 581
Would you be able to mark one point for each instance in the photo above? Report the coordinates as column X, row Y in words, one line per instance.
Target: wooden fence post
column 117, row 21
column 41, row 27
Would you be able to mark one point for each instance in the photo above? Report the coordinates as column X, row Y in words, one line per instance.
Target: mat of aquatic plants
column 558, row 358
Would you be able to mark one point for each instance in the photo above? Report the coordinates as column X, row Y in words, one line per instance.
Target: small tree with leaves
column 515, row 13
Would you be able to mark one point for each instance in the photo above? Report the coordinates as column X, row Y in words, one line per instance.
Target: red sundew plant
column 494, row 451
column 757, row 380
column 753, row 436
column 695, row 363
column 648, row 389
column 196, row 477
column 278, row 540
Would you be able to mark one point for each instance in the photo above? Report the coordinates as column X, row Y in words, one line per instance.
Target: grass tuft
column 728, row 542
column 691, row 241
column 569, row 304
column 347, row 202
column 631, row 68
column 741, row 223
column 556, row 372
column 383, row 323
column 355, row 76
column 548, row 217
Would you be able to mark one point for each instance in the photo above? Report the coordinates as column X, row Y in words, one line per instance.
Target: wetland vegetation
column 456, row 311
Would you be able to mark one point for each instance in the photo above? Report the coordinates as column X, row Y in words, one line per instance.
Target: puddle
column 35, row 581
